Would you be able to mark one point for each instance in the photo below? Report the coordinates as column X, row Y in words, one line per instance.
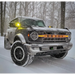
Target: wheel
column 19, row 54
column 60, row 55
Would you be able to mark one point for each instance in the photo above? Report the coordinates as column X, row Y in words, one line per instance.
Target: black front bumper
column 50, row 52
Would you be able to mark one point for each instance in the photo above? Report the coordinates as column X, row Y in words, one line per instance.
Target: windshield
column 31, row 22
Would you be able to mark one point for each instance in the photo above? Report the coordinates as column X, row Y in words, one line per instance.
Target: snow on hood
column 49, row 29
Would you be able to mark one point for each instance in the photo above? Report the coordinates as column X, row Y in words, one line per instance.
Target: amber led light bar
column 53, row 36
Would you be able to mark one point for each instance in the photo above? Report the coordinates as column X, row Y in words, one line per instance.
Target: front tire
column 19, row 54
column 60, row 55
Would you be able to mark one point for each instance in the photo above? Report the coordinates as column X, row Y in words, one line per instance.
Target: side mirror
column 66, row 28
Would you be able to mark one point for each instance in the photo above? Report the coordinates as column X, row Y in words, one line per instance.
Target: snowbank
column 72, row 51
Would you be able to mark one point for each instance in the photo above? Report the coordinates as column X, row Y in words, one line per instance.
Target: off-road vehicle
column 28, row 37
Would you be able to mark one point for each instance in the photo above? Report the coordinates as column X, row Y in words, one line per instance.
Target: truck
column 27, row 37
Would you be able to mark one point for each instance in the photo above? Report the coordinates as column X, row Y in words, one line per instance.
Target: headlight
column 34, row 35
column 69, row 36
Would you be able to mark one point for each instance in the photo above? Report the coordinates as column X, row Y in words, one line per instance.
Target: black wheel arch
column 17, row 38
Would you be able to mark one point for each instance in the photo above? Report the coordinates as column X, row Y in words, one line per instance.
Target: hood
column 49, row 29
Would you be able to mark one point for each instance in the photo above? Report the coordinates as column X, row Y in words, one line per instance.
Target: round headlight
column 34, row 35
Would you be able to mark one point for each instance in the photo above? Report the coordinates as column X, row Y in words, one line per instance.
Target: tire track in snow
column 66, row 63
column 48, row 66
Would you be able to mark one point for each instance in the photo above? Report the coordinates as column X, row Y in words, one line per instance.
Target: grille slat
column 54, row 39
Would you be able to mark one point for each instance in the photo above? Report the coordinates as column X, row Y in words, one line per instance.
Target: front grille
column 55, row 40
column 46, row 40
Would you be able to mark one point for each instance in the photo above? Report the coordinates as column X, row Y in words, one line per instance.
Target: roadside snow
column 71, row 53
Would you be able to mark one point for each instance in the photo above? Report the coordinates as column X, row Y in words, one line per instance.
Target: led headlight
column 69, row 36
column 34, row 35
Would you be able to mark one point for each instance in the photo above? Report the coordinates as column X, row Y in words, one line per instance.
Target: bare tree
column 15, row 4
column 26, row 8
column 1, row 18
column 52, row 14
column 20, row 10
column 45, row 10
column 4, row 15
column 62, row 14
column 33, row 9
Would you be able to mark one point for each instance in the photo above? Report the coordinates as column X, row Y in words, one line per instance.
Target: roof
column 34, row 18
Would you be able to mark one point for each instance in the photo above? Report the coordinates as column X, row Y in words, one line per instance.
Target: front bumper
column 33, row 49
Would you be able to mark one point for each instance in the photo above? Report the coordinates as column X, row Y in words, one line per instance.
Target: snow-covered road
column 40, row 64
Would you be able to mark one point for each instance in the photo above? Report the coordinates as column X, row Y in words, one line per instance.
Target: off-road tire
column 19, row 54
column 60, row 55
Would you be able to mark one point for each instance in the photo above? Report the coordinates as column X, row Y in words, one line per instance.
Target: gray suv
column 28, row 37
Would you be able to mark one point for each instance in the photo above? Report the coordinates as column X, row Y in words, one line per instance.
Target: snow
column 40, row 64
column 72, row 51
